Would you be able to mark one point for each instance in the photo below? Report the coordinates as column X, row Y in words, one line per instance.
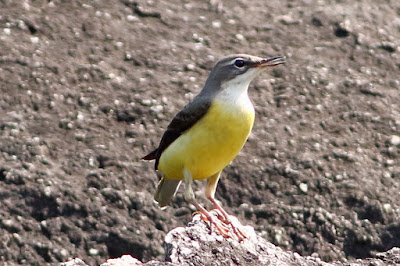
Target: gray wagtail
column 208, row 133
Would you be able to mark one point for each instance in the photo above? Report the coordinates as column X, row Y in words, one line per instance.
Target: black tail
column 151, row 156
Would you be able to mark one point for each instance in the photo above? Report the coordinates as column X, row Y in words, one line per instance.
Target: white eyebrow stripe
column 233, row 61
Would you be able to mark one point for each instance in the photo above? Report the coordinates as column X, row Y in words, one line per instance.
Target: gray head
column 239, row 66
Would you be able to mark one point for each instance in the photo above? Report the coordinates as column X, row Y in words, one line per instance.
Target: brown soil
column 87, row 89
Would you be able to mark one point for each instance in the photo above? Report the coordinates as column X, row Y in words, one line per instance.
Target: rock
column 195, row 245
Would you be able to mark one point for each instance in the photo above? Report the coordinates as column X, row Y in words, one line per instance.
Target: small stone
column 8, row 222
column 394, row 140
column 157, row 108
column 79, row 116
column 17, row 238
column 303, row 187
column 216, row 24
column 128, row 57
column 64, row 252
column 146, row 102
column 389, row 162
column 47, row 192
column 35, row 39
column 190, row 67
column 93, row 252
column 387, row 207
column 240, row 37
column 288, row 20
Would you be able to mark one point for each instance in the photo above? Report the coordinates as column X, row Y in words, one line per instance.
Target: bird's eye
column 239, row 63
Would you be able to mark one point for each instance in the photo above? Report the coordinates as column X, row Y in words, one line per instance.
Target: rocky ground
column 195, row 245
column 87, row 88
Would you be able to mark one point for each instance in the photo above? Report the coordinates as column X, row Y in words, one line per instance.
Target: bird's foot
column 224, row 225
column 216, row 222
column 236, row 228
column 239, row 233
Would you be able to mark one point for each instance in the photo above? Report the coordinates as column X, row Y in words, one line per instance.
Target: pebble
column 288, row 20
column 35, row 39
column 64, row 252
column 216, row 24
column 146, row 102
column 8, row 222
column 17, row 238
column 128, row 57
column 240, row 37
column 387, row 207
column 190, row 67
column 303, row 187
column 93, row 252
column 394, row 140
column 389, row 162
column 157, row 108
column 387, row 175
column 80, row 116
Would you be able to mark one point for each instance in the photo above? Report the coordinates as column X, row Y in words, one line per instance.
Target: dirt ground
column 87, row 88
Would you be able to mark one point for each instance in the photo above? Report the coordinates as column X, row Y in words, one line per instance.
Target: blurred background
column 88, row 87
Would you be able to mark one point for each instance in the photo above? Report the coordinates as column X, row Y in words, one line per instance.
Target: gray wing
column 184, row 120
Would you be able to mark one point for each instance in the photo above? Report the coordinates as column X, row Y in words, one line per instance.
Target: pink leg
column 210, row 194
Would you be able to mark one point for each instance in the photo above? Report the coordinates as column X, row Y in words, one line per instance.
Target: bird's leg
column 210, row 194
column 189, row 196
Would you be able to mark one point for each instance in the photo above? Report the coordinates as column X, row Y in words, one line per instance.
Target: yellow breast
column 212, row 143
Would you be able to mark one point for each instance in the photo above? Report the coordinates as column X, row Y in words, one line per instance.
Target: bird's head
column 240, row 69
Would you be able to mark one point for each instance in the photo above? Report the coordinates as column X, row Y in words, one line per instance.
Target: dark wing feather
column 184, row 120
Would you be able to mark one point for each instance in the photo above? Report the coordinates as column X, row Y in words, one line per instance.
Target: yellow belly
column 211, row 144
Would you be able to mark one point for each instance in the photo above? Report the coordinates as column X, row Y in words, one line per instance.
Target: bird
column 207, row 134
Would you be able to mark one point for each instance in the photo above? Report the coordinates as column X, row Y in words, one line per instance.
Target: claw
column 239, row 233
column 222, row 224
column 223, row 216
column 236, row 229
column 221, row 227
